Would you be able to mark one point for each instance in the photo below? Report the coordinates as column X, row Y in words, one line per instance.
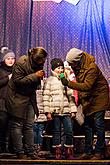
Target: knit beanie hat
column 56, row 62
column 74, row 55
column 5, row 52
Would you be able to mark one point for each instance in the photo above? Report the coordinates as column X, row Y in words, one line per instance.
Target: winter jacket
column 93, row 90
column 4, row 72
column 57, row 99
column 21, row 88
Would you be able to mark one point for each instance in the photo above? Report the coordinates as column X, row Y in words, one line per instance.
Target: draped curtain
column 15, row 22
column 57, row 27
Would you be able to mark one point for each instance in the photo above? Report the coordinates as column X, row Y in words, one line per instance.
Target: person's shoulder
column 93, row 65
column 22, row 59
column 89, row 57
column 50, row 79
column 89, row 61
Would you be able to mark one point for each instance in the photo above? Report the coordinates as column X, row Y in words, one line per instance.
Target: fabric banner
column 57, row 1
column 74, row 2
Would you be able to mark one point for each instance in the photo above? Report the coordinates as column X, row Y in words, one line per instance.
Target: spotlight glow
column 57, row 1
column 74, row 2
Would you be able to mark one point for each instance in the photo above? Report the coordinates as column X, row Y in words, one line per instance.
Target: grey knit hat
column 74, row 55
column 5, row 52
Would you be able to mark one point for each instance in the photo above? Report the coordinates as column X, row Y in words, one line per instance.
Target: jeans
column 22, row 133
column 38, row 128
column 4, row 131
column 3, row 126
column 68, row 130
column 94, row 124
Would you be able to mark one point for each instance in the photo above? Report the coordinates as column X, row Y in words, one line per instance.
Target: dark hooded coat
column 21, row 88
column 5, row 71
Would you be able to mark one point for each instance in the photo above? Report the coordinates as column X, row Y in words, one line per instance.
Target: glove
column 63, row 79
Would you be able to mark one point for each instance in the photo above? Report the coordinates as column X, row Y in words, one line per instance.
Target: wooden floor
column 11, row 160
column 53, row 162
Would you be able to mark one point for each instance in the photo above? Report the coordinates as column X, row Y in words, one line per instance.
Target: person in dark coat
column 21, row 100
column 7, row 60
column 93, row 95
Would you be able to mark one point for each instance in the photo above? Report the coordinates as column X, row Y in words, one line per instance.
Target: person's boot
column 107, row 151
column 3, row 147
column 39, row 148
column 35, row 156
column 85, row 156
column 36, row 148
column 97, row 156
column 58, row 153
column 22, row 156
column 69, row 154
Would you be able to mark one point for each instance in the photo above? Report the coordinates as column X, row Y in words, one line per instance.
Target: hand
column 49, row 116
column 73, row 115
column 40, row 73
column 64, row 81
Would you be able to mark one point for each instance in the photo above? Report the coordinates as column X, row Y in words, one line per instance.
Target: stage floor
column 53, row 162
column 9, row 159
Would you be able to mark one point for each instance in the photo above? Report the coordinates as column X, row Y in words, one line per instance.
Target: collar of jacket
column 55, row 74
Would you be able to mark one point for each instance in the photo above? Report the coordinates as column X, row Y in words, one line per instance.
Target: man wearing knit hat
column 93, row 95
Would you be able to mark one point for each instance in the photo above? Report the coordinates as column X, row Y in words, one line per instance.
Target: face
column 38, row 64
column 40, row 60
column 59, row 70
column 9, row 61
column 75, row 65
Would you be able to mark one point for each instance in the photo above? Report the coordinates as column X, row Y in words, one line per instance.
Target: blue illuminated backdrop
column 58, row 27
